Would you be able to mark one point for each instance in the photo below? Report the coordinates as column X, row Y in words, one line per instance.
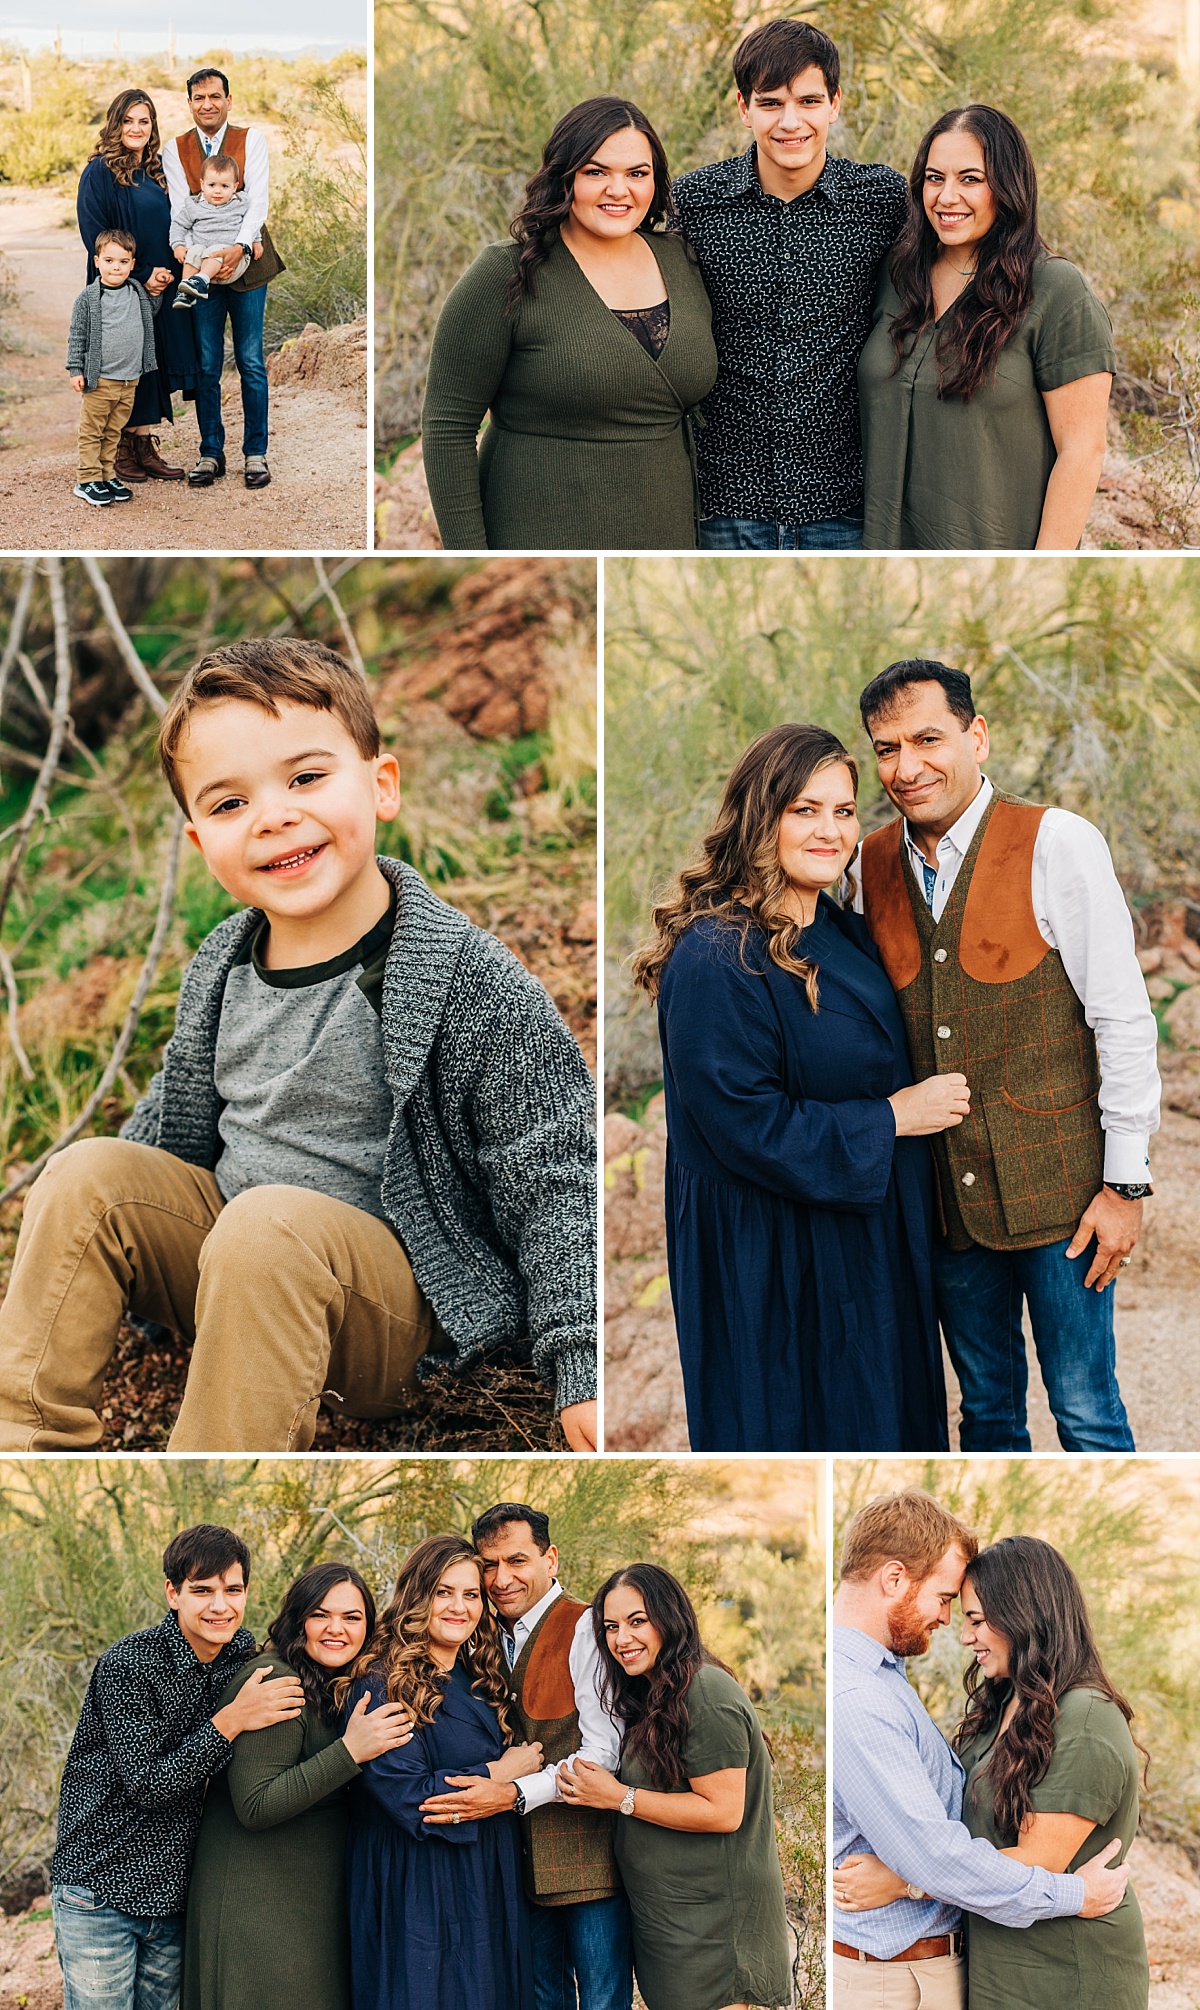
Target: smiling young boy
column 371, row 1139
column 789, row 241
column 109, row 346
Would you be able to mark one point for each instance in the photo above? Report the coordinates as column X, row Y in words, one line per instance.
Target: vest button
column 943, row 1032
column 968, row 1179
column 939, row 956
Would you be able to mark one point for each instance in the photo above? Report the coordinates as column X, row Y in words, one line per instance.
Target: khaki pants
column 104, row 411
column 285, row 1293
column 940, row 1984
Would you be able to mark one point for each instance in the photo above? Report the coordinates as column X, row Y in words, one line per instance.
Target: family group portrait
column 901, row 1055
column 183, row 250
column 297, row 932
column 1014, row 1820
column 386, row 1737
column 835, row 279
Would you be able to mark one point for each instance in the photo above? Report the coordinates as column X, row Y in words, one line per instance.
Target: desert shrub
column 319, row 215
column 55, row 136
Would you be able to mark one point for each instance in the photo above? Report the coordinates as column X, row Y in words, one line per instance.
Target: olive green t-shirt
column 709, row 1926
column 944, row 474
column 1065, row 1964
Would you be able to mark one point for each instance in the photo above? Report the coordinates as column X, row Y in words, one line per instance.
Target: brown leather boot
column 128, row 466
column 152, row 461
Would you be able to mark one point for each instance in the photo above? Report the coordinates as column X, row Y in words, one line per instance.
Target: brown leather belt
column 921, row 1950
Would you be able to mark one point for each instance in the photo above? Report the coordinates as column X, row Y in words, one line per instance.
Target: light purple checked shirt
column 897, row 1794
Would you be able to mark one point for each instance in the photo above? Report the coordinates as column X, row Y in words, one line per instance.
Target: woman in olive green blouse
column 586, row 344
column 984, row 383
column 697, row 1853
column 266, row 1918
column 1051, row 1778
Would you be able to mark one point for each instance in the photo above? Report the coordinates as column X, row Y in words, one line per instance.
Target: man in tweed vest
column 578, row 1914
column 369, row 1154
column 1006, row 936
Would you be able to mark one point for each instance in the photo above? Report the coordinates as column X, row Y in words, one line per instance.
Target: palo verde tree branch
column 59, row 721
column 120, row 634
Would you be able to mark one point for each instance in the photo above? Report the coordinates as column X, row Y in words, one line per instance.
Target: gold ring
column 1123, row 1262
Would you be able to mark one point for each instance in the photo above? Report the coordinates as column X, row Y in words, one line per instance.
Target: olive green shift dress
column 1065, row 1964
column 587, row 445
column 709, row 1926
column 266, row 1918
column 941, row 474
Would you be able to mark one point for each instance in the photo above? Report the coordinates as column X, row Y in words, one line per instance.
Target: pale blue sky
column 199, row 24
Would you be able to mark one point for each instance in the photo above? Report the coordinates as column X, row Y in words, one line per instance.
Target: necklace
column 964, row 272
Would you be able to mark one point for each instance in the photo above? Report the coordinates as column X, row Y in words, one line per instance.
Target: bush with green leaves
column 319, row 214
column 55, row 136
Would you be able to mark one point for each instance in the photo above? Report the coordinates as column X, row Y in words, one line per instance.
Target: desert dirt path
column 317, row 500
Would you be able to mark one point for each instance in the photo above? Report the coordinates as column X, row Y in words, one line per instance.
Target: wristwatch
column 626, row 1807
column 914, row 1891
column 1130, row 1192
column 518, row 1806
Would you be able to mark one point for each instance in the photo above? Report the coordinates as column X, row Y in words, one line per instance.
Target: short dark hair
column 770, row 56
column 124, row 238
column 198, row 76
column 490, row 1523
column 204, row 1551
column 882, row 691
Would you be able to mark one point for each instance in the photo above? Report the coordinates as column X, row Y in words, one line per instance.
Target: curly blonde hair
column 111, row 148
column 738, row 879
column 399, row 1645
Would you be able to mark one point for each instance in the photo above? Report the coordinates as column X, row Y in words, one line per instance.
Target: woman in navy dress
column 123, row 187
column 437, row 1906
column 799, row 1186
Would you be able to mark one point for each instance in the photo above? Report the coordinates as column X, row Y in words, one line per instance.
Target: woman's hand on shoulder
column 936, row 1104
column 369, row 1733
column 863, row 1883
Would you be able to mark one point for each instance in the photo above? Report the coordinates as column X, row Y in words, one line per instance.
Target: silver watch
column 626, row 1807
column 518, row 1806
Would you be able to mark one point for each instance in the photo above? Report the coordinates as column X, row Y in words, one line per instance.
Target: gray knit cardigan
column 84, row 334
column 489, row 1176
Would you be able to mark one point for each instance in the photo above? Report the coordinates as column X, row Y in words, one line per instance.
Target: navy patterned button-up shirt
column 792, row 286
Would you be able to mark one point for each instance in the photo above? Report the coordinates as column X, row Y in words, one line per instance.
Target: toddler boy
column 371, row 1140
column 109, row 346
column 204, row 229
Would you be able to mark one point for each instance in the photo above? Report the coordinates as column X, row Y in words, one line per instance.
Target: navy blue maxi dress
column 798, row 1224
column 437, row 1915
column 143, row 209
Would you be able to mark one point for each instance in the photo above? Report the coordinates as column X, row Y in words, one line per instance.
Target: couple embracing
column 489, row 1796
column 927, row 1102
column 1022, row 1822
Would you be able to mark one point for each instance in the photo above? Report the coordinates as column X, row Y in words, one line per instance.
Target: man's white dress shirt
column 1080, row 911
column 599, row 1734
column 257, row 175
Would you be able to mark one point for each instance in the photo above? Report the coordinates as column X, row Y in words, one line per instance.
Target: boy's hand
column 579, row 1425
column 180, row 251
column 265, row 1699
column 77, row 383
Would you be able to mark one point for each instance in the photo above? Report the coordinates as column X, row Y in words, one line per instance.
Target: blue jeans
column 245, row 311
column 113, row 1960
column 586, row 1948
column 979, row 1297
column 740, row 533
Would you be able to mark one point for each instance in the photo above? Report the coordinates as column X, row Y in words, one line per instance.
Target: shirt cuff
column 575, row 1376
column 538, row 1789
column 1127, row 1157
column 1071, row 1896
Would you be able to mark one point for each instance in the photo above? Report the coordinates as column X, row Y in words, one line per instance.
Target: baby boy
column 204, row 229
column 371, row 1141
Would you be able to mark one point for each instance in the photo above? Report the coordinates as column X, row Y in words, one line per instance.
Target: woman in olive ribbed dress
column 266, row 1918
column 695, row 1827
column 587, row 344
column 984, row 383
column 1051, row 1777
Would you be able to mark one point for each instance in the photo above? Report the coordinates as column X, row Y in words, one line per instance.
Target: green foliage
column 83, row 1539
column 1129, row 1533
column 467, row 94
column 319, row 214
column 55, row 136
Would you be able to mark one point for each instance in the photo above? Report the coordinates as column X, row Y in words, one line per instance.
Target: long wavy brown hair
column 549, row 195
column 112, row 149
column 399, row 1645
column 983, row 318
column 652, row 1709
column 1030, row 1594
column 738, row 879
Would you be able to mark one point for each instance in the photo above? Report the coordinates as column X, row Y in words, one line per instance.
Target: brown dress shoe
column 152, row 461
column 128, row 466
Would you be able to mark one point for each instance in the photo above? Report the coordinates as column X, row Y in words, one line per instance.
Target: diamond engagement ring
column 456, row 1819
column 1123, row 1262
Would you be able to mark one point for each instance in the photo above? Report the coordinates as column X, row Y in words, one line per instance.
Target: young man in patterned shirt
column 789, row 240
column 149, row 1738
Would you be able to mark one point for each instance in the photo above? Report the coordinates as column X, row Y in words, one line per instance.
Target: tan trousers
column 286, row 1294
column 940, row 1984
column 104, row 412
